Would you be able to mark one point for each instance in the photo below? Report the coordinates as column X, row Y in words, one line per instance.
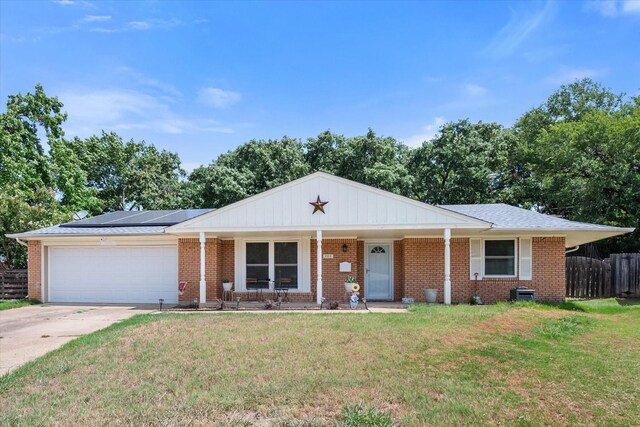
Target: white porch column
column 447, row 266
column 203, row 283
column 319, row 272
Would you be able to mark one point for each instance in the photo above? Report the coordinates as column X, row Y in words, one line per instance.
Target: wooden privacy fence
column 13, row 284
column 587, row 277
column 616, row 276
column 625, row 274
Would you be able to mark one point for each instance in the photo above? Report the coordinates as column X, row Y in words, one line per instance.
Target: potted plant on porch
column 227, row 284
column 349, row 282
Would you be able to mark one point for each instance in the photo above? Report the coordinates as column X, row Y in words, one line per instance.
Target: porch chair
column 253, row 284
column 281, row 288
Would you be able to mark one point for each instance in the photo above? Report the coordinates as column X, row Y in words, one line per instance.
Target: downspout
column 21, row 242
column 575, row 248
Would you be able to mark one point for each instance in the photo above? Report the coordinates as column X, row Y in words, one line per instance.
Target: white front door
column 378, row 272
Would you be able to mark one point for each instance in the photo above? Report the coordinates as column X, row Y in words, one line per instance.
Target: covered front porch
column 313, row 267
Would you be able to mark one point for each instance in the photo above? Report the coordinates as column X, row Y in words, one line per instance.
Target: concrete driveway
column 29, row 332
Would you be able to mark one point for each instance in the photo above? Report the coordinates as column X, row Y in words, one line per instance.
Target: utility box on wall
column 345, row 267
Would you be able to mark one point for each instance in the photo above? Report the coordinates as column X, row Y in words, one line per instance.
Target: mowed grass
column 8, row 304
column 460, row 365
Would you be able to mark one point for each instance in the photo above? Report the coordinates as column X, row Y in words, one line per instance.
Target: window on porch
column 277, row 261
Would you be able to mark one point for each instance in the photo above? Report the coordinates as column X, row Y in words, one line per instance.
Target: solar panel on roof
column 138, row 218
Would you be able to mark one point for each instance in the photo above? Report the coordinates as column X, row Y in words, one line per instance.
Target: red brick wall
column 189, row 267
column 424, row 268
column 34, row 261
column 332, row 279
column 398, row 276
column 360, row 269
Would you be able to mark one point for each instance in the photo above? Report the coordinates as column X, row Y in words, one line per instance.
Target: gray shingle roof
column 506, row 216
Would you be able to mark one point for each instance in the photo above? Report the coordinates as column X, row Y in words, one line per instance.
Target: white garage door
column 113, row 274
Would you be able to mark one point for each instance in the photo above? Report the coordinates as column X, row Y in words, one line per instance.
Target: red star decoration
column 318, row 205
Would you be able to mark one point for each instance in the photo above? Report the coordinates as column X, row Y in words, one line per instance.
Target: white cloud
column 143, row 25
column 569, row 75
column 82, row 3
column 96, row 18
column 139, row 25
column 521, row 25
column 5, row 38
column 428, row 132
column 151, row 82
column 93, row 110
column 218, row 98
column 614, row 7
column 474, row 90
column 631, row 6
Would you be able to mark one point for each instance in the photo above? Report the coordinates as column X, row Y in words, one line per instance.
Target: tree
column 369, row 159
column 252, row 168
column 577, row 157
column 590, row 171
column 27, row 182
column 23, row 161
column 127, row 175
column 465, row 163
column 22, row 210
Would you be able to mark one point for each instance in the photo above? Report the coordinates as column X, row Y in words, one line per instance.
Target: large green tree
column 27, row 179
column 252, row 168
column 370, row 159
column 465, row 163
column 577, row 157
column 127, row 175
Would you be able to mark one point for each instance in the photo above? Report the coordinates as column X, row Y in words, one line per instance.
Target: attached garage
column 97, row 274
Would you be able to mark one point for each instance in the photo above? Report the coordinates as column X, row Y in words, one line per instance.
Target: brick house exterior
column 394, row 246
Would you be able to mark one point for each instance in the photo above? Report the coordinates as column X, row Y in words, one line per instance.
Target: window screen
column 499, row 257
column 286, row 264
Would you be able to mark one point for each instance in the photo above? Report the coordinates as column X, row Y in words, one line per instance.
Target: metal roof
column 137, row 218
column 506, row 216
column 58, row 230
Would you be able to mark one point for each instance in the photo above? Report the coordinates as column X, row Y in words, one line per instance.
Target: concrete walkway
column 29, row 332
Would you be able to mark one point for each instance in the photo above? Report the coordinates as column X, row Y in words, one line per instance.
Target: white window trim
column 515, row 259
column 304, row 262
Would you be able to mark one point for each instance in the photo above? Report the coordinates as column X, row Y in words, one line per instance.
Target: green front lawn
column 7, row 304
column 500, row 364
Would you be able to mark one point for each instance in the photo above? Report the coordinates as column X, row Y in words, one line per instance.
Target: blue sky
column 201, row 78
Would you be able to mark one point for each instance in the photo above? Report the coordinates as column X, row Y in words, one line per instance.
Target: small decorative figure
column 353, row 301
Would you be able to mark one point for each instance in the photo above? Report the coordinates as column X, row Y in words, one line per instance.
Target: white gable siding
column 350, row 206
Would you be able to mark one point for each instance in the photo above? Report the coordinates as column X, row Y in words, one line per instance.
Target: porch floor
column 377, row 306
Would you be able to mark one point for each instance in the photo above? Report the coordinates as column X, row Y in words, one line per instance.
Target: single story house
column 307, row 235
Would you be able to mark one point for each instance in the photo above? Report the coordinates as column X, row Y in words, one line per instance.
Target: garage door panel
column 117, row 274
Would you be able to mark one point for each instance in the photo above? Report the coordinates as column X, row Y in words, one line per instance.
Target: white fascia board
column 119, row 240
column 352, row 227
